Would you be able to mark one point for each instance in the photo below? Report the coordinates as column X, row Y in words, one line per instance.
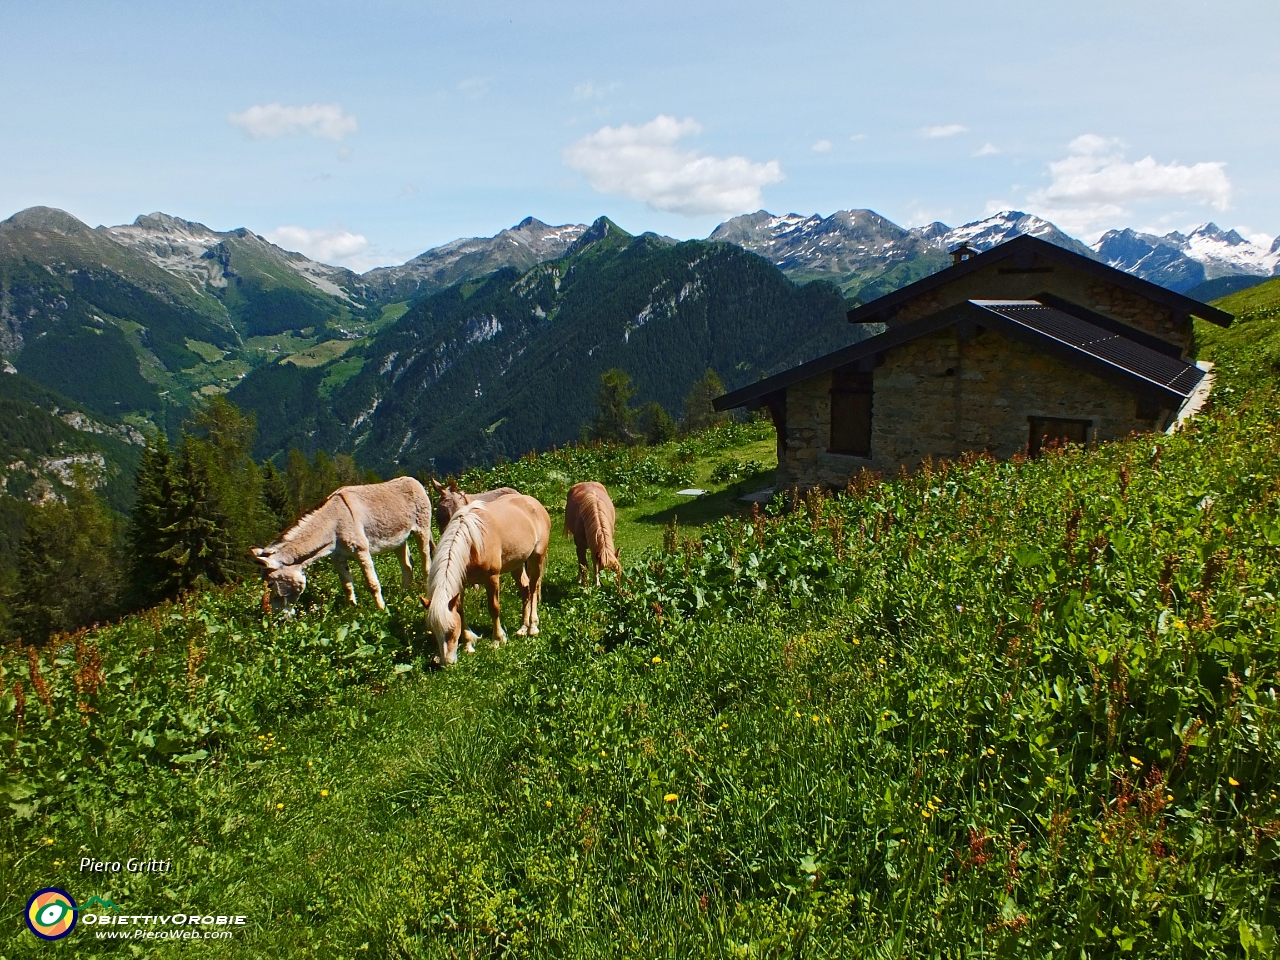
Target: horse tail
column 597, row 531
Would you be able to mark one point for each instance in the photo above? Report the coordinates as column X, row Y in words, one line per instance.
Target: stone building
column 1003, row 352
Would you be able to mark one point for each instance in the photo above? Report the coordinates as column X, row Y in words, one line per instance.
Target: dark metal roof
column 1028, row 248
column 1140, row 361
column 1070, row 337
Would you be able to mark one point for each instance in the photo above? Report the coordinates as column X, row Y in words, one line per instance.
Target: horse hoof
column 533, row 632
column 522, row 632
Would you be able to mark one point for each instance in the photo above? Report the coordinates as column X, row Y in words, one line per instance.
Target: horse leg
column 525, row 586
column 499, row 637
column 584, row 572
column 344, row 575
column 596, row 557
column 466, row 634
column 371, row 576
column 534, row 567
column 406, row 567
column 424, row 548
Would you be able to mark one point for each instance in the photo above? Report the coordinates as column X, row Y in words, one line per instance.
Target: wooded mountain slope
column 512, row 362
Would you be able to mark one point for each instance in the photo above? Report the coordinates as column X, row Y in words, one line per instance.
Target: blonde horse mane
column 449, row 565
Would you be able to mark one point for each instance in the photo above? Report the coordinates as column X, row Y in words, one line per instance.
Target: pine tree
column 220, row 438
column 656, row 423
column 155, row 511
column 614, row 416
column 699, row 413
column 199, row 541
column 275, row 493
column 69, row 566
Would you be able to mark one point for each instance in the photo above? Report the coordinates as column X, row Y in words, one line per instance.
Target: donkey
column 589, row 518
column 354, row 521
column 484, row 540
column 449, row 500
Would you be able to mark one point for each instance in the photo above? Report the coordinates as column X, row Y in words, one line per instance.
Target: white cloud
column 822, row 146
column 593, row 91
column 857, row 136
column 1256, row 237
column 986, row 150
column 327, row 121
column 338, row 246
column 644, row 163
column 1094, row 184
column 943, row 130
column 473, row 88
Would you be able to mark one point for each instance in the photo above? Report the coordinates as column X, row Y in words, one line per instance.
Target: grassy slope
column 1017, row 709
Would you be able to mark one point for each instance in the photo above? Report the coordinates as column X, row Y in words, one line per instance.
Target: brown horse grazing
column 589, row 518
column 508, row 534
column 449, row 500
column 358, row 522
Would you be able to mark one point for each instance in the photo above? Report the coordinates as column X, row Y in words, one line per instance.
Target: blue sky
column 367, row 132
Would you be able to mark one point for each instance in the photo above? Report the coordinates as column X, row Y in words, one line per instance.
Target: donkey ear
column 453, row 485
column 261, row 557
column 439, row 487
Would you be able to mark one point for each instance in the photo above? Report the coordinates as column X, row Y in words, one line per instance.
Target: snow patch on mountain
column 1004, row 226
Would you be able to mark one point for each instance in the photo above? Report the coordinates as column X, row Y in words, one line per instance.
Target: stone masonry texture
column 939, row 397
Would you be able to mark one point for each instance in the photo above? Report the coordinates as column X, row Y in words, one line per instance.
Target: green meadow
column 1020, row 709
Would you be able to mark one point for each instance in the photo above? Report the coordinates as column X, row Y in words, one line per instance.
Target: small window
column 1049, row 432
column 851, row 413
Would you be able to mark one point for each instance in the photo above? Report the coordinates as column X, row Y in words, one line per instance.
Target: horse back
column 384, row 514
column 589, row 512
column 519, row 525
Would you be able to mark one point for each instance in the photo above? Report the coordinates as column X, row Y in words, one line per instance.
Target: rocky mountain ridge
column 868, row 255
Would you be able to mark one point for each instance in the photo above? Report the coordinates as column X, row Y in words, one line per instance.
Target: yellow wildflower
column 548, row 803
column 279, row 806
column 1231, row 780
column 657, row 659
column 671, row 798
column 1135, row 761
column 324, row 793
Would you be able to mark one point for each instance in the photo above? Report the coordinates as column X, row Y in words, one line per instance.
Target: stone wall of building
column 1063, row 281
column 939, row 397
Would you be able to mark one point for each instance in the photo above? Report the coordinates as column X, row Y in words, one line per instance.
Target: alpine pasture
column 994, row 709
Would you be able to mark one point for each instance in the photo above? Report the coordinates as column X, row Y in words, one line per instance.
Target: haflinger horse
column 589, row 518
column 449, row 500
column 358, row 522
column 484, row 540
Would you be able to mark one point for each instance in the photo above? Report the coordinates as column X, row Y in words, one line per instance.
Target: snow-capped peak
column 1005, row 225
column 1225, row 251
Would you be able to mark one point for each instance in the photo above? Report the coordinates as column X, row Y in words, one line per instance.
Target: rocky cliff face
column 525, row 245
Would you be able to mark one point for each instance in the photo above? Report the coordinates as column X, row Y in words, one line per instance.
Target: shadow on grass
column 709, row 507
